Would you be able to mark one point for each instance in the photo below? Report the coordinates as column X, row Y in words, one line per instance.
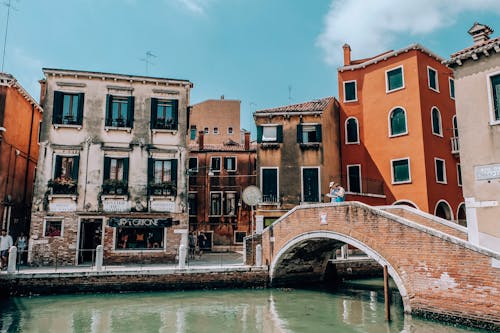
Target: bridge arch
column 348, row 240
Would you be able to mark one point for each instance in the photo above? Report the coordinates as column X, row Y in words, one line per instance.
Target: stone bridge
column 438, row 272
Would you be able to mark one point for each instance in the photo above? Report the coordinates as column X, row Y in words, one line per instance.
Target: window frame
column 76, row 164
column 459, row 175
column 53, row 219
column 164, row 103
column 239, row 232
column 190, row 194
column 451, row 83
column 348, row 178
column 212, row 158
column 387, row 90
column 275, row 139
column 216, row 131
column 302, row 194
column 189, row 164
column 347, row 142
column 355, row 92
column 129, row 111
column 318, row 135
column 235, row 163
column 58, row 109
column 225, row 201
column 277, row 181
column 206, row 130
column 440, row 134
column 445, row 179
column 390, row 123
column 489, row 84
column 230, row 130
column 139, row 249
column 393, row 181
column 429, row 69
column 221, row 193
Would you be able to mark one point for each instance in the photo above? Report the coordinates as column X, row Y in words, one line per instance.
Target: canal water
column 357, row 307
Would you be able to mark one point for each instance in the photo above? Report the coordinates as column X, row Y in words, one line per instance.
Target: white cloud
column 27, row 70
column 195, row 6
column 370, row 26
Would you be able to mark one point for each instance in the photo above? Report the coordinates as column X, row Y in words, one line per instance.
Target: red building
column 399, row 138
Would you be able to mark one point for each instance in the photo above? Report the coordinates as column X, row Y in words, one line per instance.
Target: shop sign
column 162, row 206
column 119, row 222
column 62, row 206
column 485, row 172
column 115, row 205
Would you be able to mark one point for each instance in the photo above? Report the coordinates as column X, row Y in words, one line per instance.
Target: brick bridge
column 439, row 273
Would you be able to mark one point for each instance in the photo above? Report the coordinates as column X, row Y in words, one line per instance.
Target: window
column 53, row 228
column 308, row 133
column 440, row 170
column 310, row 185
column 495, row 87
column 193, row 164
column 395, row 79
column 68, row 108
column 216, row 130
column 350, row 93
column 239, row 237
column 119, row 111
column 437, row 128
column 354, row 178
column 352, row 130
column 452, row 87
column 400, row 170
column 192, row 132
column 205, row 130
column 164, row 114
column 230, row 163
column 216, row 203
column 215, row 163
column 229, row 130
column 432, row 76
column 66, row 168
column 459, row 174
column 455, row 126
column 131, row 238
column 270, row 133
column 443, row 210
column 397, row 122
column 162, row 177
column 230, row 204
column 192, row 203
column 115, row 175
column 269, row 185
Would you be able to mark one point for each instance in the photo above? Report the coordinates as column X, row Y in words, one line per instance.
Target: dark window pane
column 398, row 121
column 354, row 179
column 495, row 83
column 440, row 171
column 350, row 91
column 270, row 185
column 310, row 185
column 452, row 88
column 352, row 130
column 395, row 79
column 436, row 121
column 401, row 170
column 432, row 78
column 139, row 238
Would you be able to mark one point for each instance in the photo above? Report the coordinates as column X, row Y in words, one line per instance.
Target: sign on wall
column 119, row 222
column 62, row 206
column 115, row 205
column 162, row 206
column 486, row 172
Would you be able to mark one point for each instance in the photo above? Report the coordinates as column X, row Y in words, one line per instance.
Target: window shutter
column 175, row 113
column 279, row 133
column 151, row 177
column 174, row 171
column 57, row 108
column 125, row 169
column 154, row 112
column 299, row 133
column 130, row 111
column 226, row 162
column 259, row 134
column 74, row 171
column 79, row 116
column 58, row 166
column 318, row 133
column 109, row 113
column 107, row 167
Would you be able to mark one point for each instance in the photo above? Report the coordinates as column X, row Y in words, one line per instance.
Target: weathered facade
column 298, row 154
column 113, row 156
column 220, row 168
column 399, row 136
column 20, row 117
column 477, row 81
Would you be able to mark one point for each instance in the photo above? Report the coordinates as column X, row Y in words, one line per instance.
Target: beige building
column 477, row 90
column 110, row 171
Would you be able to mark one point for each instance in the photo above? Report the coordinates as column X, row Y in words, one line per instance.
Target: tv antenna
column 147, row 60
column 290, row 94
column 9, row 6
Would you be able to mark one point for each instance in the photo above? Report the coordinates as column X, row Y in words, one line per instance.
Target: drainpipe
column 29, row 155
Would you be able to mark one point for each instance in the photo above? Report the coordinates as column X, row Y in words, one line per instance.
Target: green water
column 222, row 311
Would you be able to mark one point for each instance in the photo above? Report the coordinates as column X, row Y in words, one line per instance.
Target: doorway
column 90, row 237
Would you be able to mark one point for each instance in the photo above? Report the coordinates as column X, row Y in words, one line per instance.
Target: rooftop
column 311, row 106
column 10, row 81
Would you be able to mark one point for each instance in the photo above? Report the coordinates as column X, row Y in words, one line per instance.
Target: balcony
column 63, row 185
column 455, row 147
column 115, row 186
column 269, row 199
column 162, row 189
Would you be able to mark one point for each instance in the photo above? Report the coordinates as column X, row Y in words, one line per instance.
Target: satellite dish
column 252, row 195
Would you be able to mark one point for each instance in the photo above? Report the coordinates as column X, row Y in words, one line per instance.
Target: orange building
column 20, row 117
column 398, row 126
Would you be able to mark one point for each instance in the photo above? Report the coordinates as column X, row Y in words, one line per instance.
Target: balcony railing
column 455, row 147
column 62, row 186
column 113, row 186
column 162, row 189
column 269, row 199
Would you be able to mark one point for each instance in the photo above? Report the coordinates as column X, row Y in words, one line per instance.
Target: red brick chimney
column 347, row 54
column 201, row 139
column 247, row 141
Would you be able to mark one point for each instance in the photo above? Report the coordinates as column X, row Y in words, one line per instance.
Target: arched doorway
column 461, row 215
column 443, row 210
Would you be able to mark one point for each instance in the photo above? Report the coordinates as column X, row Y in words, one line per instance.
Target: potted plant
column 62, row 185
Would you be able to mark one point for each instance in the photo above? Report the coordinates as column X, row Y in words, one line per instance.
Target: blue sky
column 265, row 53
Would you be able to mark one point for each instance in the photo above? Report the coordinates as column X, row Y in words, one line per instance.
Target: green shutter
column 154, row 112
column 107, row 167
column 279, row 133
column 130, row 111
column 259, row 134
column 151, row 170
column 125, row 169
column 495, row 85
column 74, row 171
column 174, row 171
column 58, row 166
column 79, row 117
column 109, row 112
column 299, row 133
column 319, row 135
column 57, row 108
column 175, row 113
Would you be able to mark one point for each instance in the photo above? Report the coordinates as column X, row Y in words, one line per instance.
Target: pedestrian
column 192, row 245
column 340, row 193
column 21, row 243
column 5, row 244
column 332, row 193
column 202, row 240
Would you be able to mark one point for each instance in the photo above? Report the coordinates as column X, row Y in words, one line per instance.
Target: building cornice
column 9, row 81
column 475, row 52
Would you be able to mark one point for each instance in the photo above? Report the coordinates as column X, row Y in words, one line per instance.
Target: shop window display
column 139, row 238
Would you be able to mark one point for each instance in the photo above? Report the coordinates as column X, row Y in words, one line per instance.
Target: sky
column 265, row 53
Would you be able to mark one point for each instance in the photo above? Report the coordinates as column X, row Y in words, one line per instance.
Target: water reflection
column 246, row 311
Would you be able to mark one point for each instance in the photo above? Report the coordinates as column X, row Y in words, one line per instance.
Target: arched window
column 443, row 210
column 436, row 122
column 455, row 127
column 461, row 216
column 352, row 130
column 397, row 122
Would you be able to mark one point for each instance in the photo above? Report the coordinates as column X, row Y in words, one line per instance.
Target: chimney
column 347, row 54
column 247, row 141
column 43, row 86
column 201, row 139
column 480, row 33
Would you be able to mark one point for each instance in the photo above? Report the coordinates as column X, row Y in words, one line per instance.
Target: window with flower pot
column 115, row 175
column 65, row 177
column 164, row 114
column 68, row 108
column 119, row 111
column 162, row 177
